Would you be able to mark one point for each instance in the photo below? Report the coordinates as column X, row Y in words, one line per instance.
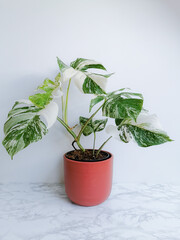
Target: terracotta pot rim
column 89, row 161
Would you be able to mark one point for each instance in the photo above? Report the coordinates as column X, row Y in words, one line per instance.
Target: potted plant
column 88, row 172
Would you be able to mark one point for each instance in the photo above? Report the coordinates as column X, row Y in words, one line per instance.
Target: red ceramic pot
column 88, row 183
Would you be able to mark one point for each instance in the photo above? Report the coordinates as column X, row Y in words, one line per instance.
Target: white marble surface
column 132, row 212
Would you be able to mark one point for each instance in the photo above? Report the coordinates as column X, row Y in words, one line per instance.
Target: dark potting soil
column 87, row 156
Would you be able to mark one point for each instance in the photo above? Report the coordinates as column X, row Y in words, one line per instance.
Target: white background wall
column 137, row 39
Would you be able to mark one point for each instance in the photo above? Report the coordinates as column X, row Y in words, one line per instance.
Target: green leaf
column 146, row 138
column 124, row 108
column 89, row 128
column 97, row 66
column 62, row 65
column 99, row 125
column 92, row 126
column 41, row 99
column 22, row 128
column 118, row 121
column 124, row 134
column 48, row 85
column 58, row 79
column 84, row 64
column 90, row 87
column 117, row 91
column 19, row 110
column 131, row 95
column 75, row 63
column 95, row 101
column 145, row 131
column 90, row 83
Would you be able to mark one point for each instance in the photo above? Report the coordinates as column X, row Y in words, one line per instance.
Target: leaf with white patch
column 146, row 131
column 84, row 64
column 22, row 128
column 50, row 113
column 100, row 80
column 89, row 128
column 92, row 126
column 89, row 83
column 48, row 87
column 76, row 63
column 69, row 73
column 41, row 99
column 24, row 124
column 116, row 106
column 91, row 87
column 62, row 65
column 99, row 125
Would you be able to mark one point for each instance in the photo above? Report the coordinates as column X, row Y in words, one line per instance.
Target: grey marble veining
column 132, row 212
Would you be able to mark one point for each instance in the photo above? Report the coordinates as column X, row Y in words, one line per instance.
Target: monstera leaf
column 22, row 127
column 92, row 126
column 24, row 124
column 122, row 105
column 43, row 99
column 90, row 83
column 146, row 131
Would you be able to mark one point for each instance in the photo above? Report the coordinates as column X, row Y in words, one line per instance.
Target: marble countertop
column 132, row 212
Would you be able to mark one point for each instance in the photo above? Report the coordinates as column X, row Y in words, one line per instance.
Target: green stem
column 71, row 132
column 102, row 146
column 94, row 143
column 62, row 102
column 66, row 104
column 89, row 119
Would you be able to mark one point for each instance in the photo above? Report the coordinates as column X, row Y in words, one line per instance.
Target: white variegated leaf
column 79, row 80
column 22, row 127
column 146, row 131
column 149, row 122
column 99, row 80
column 87, row 63
column 50, row 113
column 88, row 83
column 24, row 101
column 68, row 74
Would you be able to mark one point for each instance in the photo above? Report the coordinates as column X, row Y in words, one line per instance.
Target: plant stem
column 86, row 123
column 66, row 104
column 71, row 132
column 62, row 102
column 102, row 146
column 94, row 143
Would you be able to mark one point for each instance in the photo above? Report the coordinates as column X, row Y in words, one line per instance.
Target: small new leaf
column 99, row 125
column 89, row 128
column 92, row 126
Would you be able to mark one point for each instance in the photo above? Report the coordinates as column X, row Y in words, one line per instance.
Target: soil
column 87, row 156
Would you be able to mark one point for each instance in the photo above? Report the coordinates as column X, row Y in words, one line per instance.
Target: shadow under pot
column 88, row 182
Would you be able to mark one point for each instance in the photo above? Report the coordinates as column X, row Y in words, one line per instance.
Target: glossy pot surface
column 88, row 183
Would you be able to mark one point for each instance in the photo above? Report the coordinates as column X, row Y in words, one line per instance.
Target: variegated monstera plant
column 30, row 119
